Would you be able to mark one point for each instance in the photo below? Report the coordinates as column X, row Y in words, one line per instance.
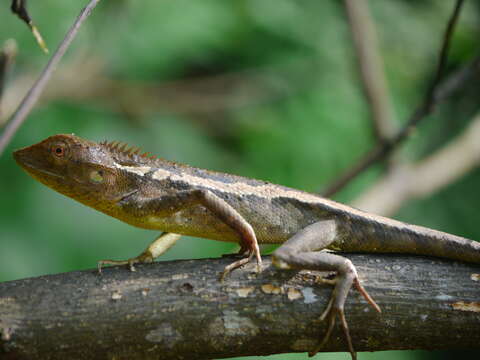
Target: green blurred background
column 262, row 88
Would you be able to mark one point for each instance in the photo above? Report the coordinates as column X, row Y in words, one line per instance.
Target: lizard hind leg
column 303, row 251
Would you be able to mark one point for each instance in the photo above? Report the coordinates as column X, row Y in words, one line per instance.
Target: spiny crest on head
column 123, row 149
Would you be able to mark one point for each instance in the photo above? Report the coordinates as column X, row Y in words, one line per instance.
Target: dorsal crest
column 122, row 149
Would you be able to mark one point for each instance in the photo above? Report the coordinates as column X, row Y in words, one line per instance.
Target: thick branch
column 179, row 309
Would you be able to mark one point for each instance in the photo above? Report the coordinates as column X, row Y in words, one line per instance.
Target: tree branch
column 205, row 99
column 431, row 99
column 370, row 65
column 7, row 57
column 426, row 177
column 179, row 309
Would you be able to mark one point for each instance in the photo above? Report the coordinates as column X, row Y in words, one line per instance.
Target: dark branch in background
column 467, row 74
column 371, row 67
column 34, row 93
column 425, row 108
column 19, row 7
column 430, row 98
column 7, row 57
column 178, row 309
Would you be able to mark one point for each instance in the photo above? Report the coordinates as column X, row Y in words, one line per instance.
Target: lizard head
column 78, row 168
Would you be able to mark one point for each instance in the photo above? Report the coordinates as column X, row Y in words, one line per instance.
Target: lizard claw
column 366, row 295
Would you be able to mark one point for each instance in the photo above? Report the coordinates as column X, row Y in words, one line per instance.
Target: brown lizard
column 158, row 194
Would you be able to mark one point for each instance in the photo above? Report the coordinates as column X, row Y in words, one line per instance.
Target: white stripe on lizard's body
column 138, row 170
column 160, row 194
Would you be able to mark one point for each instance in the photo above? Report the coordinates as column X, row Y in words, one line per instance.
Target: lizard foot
column 331, row 312
column 335, row 307
column 145, row 257
column 240, row 254
column 236, row 264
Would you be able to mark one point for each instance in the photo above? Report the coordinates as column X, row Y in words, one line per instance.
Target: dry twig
column 34, row 93
column 19, row 7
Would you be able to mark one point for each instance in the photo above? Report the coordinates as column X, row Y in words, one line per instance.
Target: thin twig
column 362, row 29
column 425, row 108
column 34, row 93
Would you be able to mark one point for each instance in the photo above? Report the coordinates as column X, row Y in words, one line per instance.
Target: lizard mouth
column 30, row 167
column 43, row 171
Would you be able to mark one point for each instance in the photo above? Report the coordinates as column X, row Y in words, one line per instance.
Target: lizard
column 178, row 199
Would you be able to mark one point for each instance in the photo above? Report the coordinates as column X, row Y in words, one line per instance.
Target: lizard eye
column 59, row 150
column 96, row 176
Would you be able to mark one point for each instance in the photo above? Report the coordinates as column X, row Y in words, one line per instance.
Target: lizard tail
column 395, row 237
column 424, row 241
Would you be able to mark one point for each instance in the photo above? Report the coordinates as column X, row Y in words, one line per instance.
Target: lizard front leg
column 302, row 251
column 159, row 246
column 170, row 204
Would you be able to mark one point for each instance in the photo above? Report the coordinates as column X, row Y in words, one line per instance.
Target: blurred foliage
column 299, row 117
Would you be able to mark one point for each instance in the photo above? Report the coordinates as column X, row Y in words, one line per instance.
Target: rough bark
column 178, row 309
